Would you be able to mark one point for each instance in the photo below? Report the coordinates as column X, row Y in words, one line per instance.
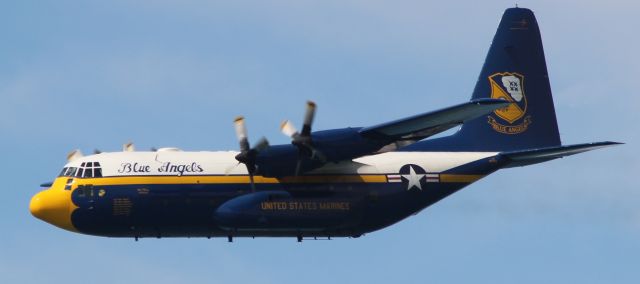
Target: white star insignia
column 414, row 179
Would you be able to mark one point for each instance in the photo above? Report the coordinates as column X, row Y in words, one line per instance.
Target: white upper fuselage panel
column 178, row 163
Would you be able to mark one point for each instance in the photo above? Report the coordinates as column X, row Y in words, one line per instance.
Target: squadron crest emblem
column 511, row 119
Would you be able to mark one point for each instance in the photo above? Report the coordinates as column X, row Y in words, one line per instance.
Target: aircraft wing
column 534, row 156
column 427, row 124
column 310, row 151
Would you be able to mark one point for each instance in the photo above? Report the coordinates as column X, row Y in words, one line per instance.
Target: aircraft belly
column 188, row 210
column 179, row 210
column 152, row 210
column 387, row 209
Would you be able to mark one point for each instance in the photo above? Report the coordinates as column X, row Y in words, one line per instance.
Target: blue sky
column 96, row 74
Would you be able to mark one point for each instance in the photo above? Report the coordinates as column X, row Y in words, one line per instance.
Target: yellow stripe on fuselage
column 242, row 179
column 459, row 178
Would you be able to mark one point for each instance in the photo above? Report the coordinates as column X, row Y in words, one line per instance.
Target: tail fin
column 514, row 70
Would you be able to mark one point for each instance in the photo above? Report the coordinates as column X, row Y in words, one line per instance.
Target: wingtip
column 603, row 144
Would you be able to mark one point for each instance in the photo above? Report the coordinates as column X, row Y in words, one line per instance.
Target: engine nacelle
column 333, row 145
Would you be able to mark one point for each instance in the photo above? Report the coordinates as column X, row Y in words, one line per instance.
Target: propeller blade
column 247, row 155
column 251, row 182
column 316, row 154
column 241, row 133
column 73, row 155
column 262, row 144
column 298, row 163
column 128, row 147
column 303, row 140
column 288, row 129
column 308, row 118
column 231, row 169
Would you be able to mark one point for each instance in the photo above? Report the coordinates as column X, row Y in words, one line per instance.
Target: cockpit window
column 68, row 172
column 86, row 170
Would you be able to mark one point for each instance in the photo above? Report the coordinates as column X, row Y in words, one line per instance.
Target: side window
column 69, row 184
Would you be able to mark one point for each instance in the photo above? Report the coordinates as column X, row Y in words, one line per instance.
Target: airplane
column 324, row 184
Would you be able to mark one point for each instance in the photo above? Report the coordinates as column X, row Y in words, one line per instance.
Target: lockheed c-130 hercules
column 332, row 183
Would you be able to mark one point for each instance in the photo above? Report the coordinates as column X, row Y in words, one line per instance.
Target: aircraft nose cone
column 35, row 206
column 53, row 207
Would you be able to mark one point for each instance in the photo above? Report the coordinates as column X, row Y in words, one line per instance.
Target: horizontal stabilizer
column 534, row 156
column 424, row 125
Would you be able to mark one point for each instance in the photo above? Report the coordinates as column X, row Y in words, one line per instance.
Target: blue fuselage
column 172, row 210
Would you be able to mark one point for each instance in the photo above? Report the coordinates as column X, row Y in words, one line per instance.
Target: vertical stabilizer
column 514, row 70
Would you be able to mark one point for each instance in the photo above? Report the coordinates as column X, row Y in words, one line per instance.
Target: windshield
column 68, row 172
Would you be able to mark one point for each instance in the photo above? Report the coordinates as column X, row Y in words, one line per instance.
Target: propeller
column 247, row 155
column 73, row 155
column 303, row 139
column 128, row 147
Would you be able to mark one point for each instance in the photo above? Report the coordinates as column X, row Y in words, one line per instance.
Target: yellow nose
column 54, row 207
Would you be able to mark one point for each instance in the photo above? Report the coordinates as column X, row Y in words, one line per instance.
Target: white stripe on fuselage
column 224, row 163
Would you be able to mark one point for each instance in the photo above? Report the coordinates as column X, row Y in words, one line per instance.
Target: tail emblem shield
column 510, row 87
